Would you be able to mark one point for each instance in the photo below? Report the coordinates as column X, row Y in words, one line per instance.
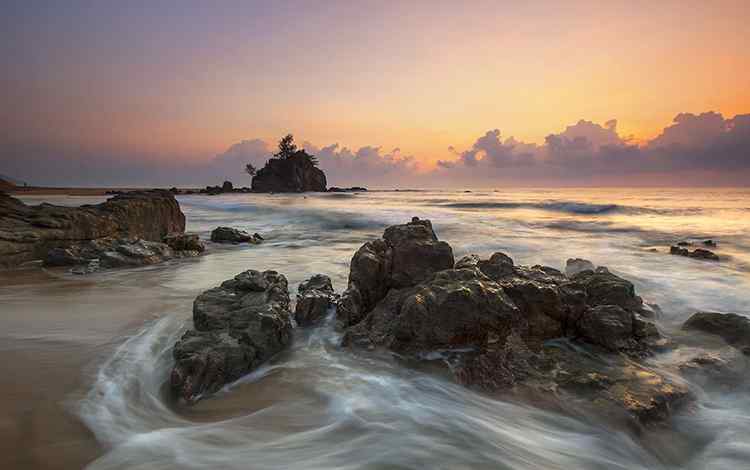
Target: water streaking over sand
column 320, row 407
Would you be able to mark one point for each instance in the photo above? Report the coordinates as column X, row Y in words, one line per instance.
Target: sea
column 86, row 359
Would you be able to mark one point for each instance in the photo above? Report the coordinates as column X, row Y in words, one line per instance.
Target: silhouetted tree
column 287, row 147
column 250, row 170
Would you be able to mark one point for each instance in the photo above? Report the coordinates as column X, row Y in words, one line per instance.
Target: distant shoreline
column 46, row 191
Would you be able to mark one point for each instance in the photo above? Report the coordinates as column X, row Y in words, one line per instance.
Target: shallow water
column 86, row 358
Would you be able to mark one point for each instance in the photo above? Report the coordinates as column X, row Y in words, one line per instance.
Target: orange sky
column 189, row 80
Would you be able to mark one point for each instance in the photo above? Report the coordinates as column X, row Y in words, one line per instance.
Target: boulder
column 28, row 233
column 233, row 235
column 185, row 242
column 576, row 265
column 236, row 328
column 315, row 298
column 294, row 174
column 406, row 255
column 732, row 328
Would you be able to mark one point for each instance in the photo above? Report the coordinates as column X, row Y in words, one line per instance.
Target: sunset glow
column 179, row 84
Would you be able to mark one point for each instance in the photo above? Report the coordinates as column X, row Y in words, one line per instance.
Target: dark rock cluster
column 507, row 327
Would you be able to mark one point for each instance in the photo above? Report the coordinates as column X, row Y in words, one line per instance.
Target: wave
column 570, row 207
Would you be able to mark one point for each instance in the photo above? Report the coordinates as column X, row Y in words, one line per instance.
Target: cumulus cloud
column 367, row 165
column 700, row 144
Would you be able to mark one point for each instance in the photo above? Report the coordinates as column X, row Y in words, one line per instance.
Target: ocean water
column 86, row 358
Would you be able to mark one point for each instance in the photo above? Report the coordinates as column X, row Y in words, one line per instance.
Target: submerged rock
column 495, row 321
column 237, row 327
column 233, row 235
column 88, row 257
column 28, row 233
column 732, row 328
column 185, row 242
column 314, row 299
column 698, row 253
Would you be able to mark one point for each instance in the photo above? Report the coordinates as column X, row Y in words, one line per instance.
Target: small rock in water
column 184, row 242
column 698, row 253
column 710, row 243
column 233, row 235
column 733, row 328
column 315, row 297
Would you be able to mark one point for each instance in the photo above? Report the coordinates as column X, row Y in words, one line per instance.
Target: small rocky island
column 290, row 170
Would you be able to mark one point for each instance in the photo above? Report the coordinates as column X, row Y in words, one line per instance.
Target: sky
column 415, row 93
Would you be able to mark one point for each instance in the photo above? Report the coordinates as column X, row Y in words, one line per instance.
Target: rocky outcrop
column 236, row 327
column 315, row 298
column 732, row 328
column 406, row 255
column 233, row 235
column 507, row 327
column 28, row 233
column 295, row 174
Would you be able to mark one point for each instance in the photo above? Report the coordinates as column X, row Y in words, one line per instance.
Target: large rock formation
column 236, row 327
column 294, row 174
column 507, row 327
column 29, row 232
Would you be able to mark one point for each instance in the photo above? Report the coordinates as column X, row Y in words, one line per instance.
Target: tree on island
column 250, row 170
column 288, row 149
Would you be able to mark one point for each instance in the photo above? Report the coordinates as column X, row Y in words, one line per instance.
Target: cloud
column 693, row 146
column 701, row 148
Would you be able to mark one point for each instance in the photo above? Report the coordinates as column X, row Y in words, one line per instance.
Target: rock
column 237, row 327
column 698, row 253
column 294, row 174
column 709, row 243
column 455, row 308
column 575, row 265
column 28, row 233
column 732, row 328
column 227, row 187
column 683, row 243
column 87, row 257
column 335, row 189
column 609, row 326
column 725, row 368
column 185, row 242
column 314, row 299
column 582, row 380
column 406, row 255
column 497, row 323
column 233, row 235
